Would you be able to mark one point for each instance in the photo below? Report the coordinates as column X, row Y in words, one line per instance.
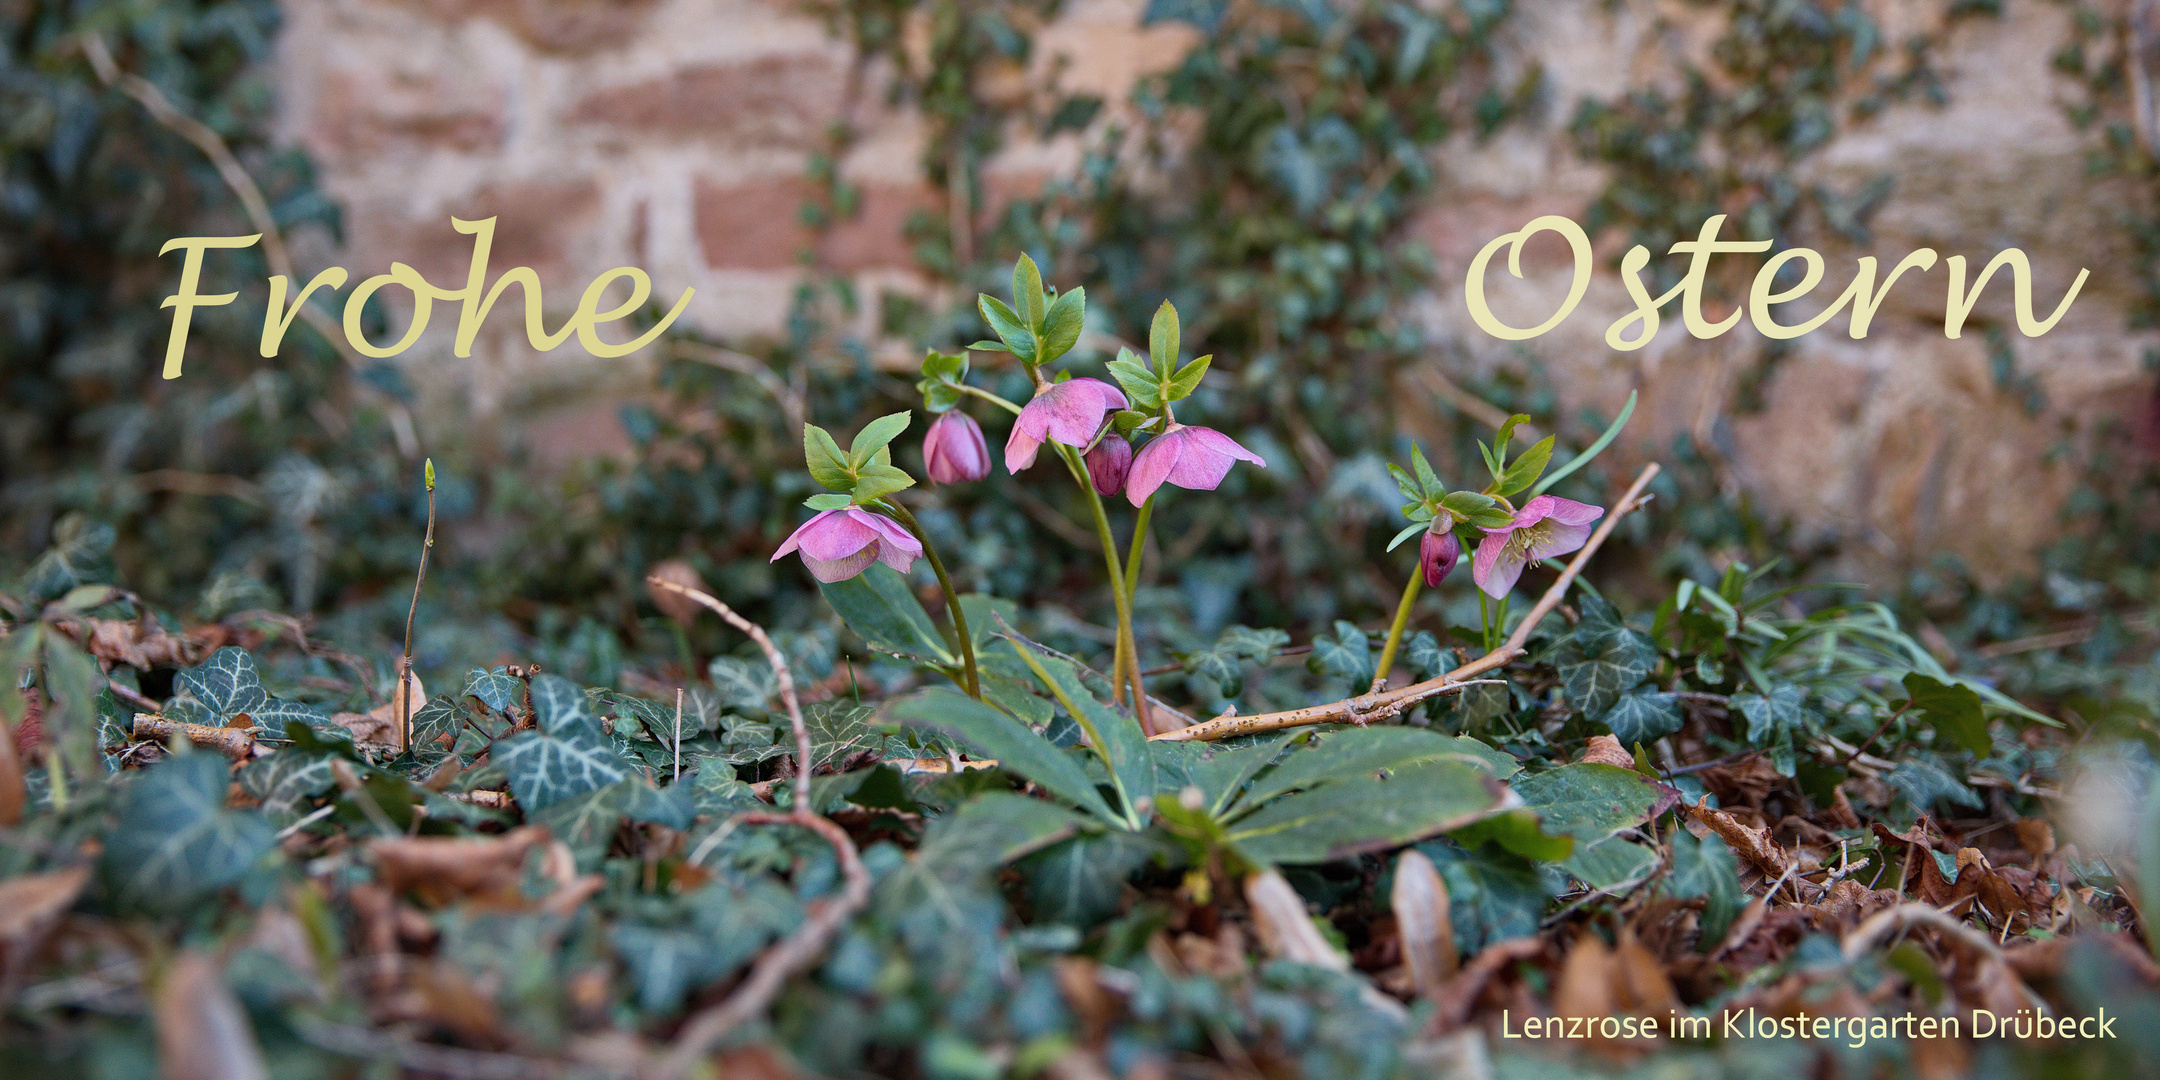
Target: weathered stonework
column 674, row 135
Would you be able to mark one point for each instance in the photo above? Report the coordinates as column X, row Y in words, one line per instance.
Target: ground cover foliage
column 1723, row 786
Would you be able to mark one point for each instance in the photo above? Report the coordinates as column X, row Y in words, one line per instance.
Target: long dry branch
column 704, row 1031
column 1368, row 708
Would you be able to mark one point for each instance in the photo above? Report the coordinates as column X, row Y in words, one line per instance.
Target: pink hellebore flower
column 1438, row 553
column 839, row 544
column 954, row 450
column 1070, row 412
column 1108, row 463
column 1544, row 527
column 1194, row 458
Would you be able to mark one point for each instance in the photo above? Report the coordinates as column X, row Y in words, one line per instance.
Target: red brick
column 780, row 101
column 757, row 225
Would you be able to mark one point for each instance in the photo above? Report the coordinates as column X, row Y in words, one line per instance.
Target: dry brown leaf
column 202, row 1033
column 1420, row 902
column 1284, row 926
column 385, row 722
column 29, row 901
column 1606, row 750
column 1451, row 1006
column 1643, row 988
column 1752, row 844
column 1586, row 980
column 13, row 794
column 141, row 643
column 2036, row 837
column 439, row 870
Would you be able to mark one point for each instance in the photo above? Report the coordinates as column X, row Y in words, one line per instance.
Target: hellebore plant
column 1090, row 424
column 1508, row 539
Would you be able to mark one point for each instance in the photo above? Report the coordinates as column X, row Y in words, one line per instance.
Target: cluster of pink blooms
column 1545, row 526
column 838, row 544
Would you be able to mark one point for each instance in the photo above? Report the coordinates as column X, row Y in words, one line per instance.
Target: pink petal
column 893, row 535
column 795, row 538
column 840, row 535
column 831, row 570
column 1020, row 447
column 1199, row 467
column 1151, row 466
column 1219, row 443
column 1554, row 537
column 1496, row 567
column 1565, row 511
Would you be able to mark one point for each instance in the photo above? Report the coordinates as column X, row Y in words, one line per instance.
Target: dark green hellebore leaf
column 986, row 732
column 1591, row 801
column 877, row 605
column 1706, row 868
column 172, row 842
column 1385, row 808
column 1954, row 710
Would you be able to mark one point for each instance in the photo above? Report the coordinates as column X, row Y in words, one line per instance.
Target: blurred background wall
column 677, row 135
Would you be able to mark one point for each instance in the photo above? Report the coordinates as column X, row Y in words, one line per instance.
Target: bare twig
column 1367, row 708
column 404, row 690
column 235, row 742
column 429, row 1058
column 791, row 402
column 794, row 953
column 678, row 733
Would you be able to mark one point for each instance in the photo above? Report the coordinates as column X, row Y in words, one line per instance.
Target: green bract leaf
column 988, row 346
column 1578, row 461
column 1954, row 710
column 1027, row 293
column 1135, row 379
column 881, row 478
column 1162, row 338
column 1524, row 470
column 1429, row 484
column 1062, row 324
column 1181, row 386
column 1706, row 868
column 1466, row 505
column 829, row 500
column 1507, row 429
column 877, row 605
column 173, row 842
column 1414, row 528
column 944, row 367
column 828, row 465
column 1019, row 340
column 875, row 435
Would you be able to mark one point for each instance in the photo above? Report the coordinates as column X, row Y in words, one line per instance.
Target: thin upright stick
column 678, row 733
column 796, row 952
column 1367, row 708
column 404, row 687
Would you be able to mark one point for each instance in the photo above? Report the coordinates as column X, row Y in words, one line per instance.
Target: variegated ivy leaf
column 1224, row 662
column 1643, row 717
column 285, row 780
column 173, row 842
column 549, row 766
column 497, row 689
column 1602, row 659
column 1347, row 656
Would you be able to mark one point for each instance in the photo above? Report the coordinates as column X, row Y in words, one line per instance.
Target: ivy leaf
column 172, row 842
column 586, row 821
column 730, row 922
column 559, row 703
column 497, row 689
column 1425, row 656
column 285, row 780
column 877, row 605
column 1954, row 709
column 1224, row 662
column 1781, row 714
column 221, row 687
column 1925, row 782
column 828, row 465
column 1706, row 868
column 1602, row 659
column 1493, row 895
column 81, row 554
column 742, row 685
column 1643, row 717
column 1062, row 324
column 1347, row 656
column 549, row 766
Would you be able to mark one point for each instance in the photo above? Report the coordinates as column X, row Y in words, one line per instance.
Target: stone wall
column 674, row 135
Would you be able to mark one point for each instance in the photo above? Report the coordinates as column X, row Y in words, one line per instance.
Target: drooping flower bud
column 954, row 451
column 1108, row 463
column 1437, row 553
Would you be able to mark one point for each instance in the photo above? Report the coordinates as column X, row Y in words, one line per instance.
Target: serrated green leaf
column 879, row 479
column 986, row 732
column 1027, row 293
column 1525, row 470
column 1162, row 337
column 1018, row 339
column 172, row 842
column 877, row 605
column 944, row 367
column 1429, row 485
column 1181, row 386
column 827, row 464
column 1062, row 324
column 875, row 435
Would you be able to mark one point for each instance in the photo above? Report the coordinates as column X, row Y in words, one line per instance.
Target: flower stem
column 1402, row 621
column 1124, row 665
column 973, row 683
column 986, row 395
column 1139, row 537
